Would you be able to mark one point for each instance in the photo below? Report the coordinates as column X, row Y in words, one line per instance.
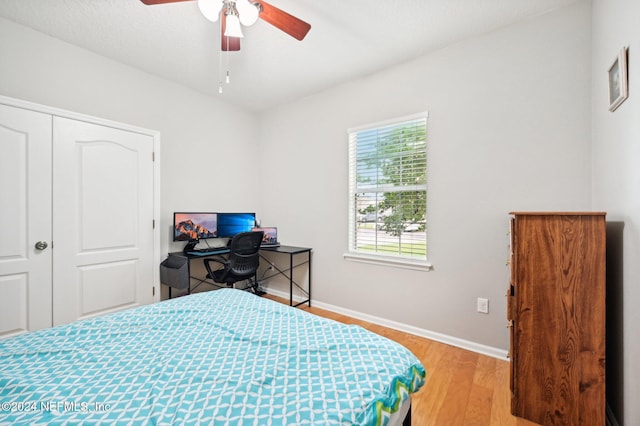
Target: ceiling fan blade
column 152, row 2
column 280, row 19
column 229, row 44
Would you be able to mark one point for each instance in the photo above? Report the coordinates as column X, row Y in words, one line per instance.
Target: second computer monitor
column 230, row 224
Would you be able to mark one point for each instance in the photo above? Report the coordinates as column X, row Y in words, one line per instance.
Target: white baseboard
column 421, row 332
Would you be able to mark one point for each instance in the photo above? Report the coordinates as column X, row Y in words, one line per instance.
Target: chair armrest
column 213, row 259
column 208, row 266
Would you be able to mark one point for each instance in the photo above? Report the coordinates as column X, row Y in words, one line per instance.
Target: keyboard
column 208, row 251
column 272, row 245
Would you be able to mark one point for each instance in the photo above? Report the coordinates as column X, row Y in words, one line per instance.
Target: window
column 388, row 191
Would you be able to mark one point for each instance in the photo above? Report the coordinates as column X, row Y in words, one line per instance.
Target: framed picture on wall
column 618, row 88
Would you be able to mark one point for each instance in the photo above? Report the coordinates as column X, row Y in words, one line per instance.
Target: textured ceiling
column 348, row 39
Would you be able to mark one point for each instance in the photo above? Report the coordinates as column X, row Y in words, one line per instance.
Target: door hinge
column 153, row 156
column 153, row 225
column 153, row 293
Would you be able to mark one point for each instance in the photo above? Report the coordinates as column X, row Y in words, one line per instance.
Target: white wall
column 616, row 189
column 199, row 134
column 508, row 129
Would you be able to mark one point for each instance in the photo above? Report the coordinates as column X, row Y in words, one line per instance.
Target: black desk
column 288, row 272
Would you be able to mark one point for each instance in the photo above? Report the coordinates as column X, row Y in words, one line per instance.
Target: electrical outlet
column 483, row 305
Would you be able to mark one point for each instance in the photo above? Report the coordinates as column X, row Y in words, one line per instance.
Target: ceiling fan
column 234, row 12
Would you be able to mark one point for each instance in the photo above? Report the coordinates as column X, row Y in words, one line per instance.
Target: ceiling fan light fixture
column 232, row 28
column 247, row 12
column 210, row 9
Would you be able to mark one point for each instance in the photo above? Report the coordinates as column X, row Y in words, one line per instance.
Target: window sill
column 418, row 265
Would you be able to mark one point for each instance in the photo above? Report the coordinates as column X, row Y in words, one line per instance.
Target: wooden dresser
column 556, row 315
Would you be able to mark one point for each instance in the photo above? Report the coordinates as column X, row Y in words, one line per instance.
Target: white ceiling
column 348, row 39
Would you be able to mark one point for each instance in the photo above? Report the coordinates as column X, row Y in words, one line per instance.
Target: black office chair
column 242, row 261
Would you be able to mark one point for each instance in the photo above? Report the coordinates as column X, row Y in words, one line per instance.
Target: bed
column 225, row 357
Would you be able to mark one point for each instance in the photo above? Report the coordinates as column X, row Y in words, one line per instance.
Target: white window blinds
column 388, row 188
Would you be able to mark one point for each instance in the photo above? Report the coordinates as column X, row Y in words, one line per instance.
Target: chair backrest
column 243, row 256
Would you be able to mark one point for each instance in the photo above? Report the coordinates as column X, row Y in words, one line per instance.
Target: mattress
column 224, row 357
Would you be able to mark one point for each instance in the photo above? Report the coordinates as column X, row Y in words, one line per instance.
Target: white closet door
column 25, row 219
column 103, row 219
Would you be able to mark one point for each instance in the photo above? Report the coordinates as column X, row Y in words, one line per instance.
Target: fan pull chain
column 226, row 40
column 220, row 71
column 228, row 79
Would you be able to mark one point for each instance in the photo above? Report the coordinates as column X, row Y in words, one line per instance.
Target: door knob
column 41, row 245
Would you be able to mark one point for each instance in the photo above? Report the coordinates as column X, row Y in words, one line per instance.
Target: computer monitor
column 192, row 226
column 230, row 224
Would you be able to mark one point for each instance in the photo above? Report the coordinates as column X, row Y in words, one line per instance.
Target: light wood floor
column 462, row 387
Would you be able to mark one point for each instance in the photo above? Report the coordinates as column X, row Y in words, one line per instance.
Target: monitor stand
column 191, row 246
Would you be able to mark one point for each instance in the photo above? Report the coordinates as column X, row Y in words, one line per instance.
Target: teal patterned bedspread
column 223, row 357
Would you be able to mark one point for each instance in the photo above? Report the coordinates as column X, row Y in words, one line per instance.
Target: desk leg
column 309, row 295
column 290, row 279
column 189, row 272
